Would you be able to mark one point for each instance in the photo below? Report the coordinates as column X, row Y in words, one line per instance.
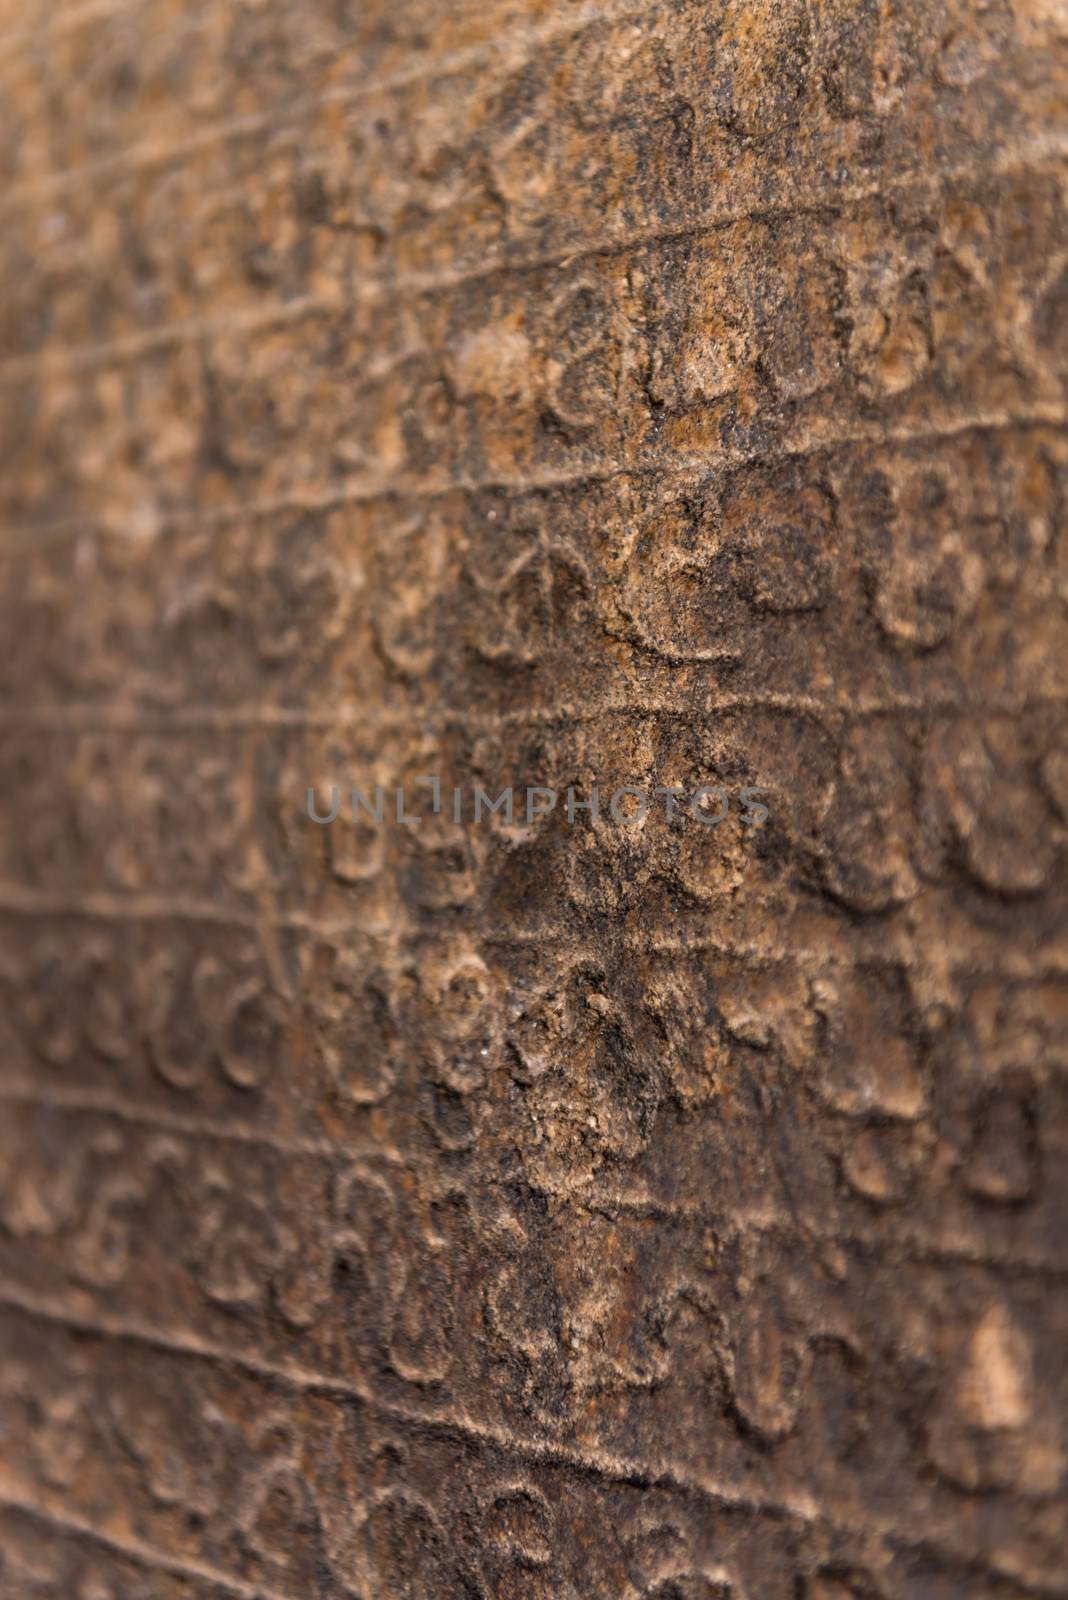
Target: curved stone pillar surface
column 662, row 1204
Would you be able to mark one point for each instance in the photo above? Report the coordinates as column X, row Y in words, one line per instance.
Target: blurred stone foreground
column 533, row 392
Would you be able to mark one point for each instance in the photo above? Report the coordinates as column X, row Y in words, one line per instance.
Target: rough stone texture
column 670, row 393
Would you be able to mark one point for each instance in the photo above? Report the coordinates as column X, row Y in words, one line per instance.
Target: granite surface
column 528, row 392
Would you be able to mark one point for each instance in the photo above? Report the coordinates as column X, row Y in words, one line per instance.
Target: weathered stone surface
column 666, row 394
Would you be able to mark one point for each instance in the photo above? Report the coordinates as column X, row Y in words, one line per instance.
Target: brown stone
column 627, row 1207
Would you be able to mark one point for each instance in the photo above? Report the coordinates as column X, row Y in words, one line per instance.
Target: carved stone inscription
column 632, row 1205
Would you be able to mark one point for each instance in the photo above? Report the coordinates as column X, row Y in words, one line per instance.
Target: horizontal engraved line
column 55, row 20
column 138, row 720
column 687, row 470
column 444, row 65
column 21, row 901
column 605, row 1465
column 24, row 901
column 598, row 1463
column 103, row 1103
column 397, row 285
column 137, row 1551
column 730, row 1220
